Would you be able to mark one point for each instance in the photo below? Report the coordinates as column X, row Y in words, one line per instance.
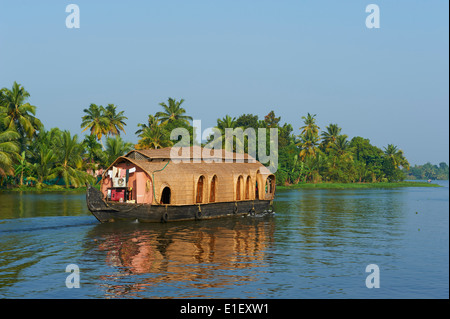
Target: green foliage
column 173, row 111
column 328, row 156
column 9, row 149
column 156, row 132
column 116, row 147
column 224, row 140
column 116, row 121
column 16, row 114
column 33, row 156
column 428, row 171
column 103, row 121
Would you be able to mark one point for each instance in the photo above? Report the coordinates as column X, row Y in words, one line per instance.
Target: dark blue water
column 317, row 245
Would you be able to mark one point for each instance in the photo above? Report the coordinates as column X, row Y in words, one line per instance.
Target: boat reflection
column 196, row 255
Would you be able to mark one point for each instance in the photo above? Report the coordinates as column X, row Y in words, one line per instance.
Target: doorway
column 165, row 196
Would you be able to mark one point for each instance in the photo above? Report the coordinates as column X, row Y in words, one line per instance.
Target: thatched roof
column 191, row 152
column 195, row 155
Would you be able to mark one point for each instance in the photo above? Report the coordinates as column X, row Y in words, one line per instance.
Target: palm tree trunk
column 103, row 146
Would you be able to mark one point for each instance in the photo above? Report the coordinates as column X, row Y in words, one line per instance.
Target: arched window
column 165, row 196
column 212, row 190
column 200, row 182
column 247, row 187
column 257, row 185
column 239, row 183
column 270, row 184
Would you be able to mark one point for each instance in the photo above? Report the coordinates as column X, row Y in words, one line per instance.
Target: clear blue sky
column 389, row 85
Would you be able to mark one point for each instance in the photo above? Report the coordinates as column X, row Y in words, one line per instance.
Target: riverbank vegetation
column 357, row 185
column 428, row 171
column 34, row 156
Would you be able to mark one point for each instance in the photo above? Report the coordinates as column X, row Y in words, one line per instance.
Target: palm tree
column 297, row 169
column 49, row 138
column 44, row 167
column 391, row 150
column 116, row 147
column 116, row 121
column 330, row 136
column 309, row 137
column 223, row 139
column 342, row 148
column 93, row 149
column 16, row 114
column 363, row 172
column 23, row 167
column 173, row 112
column 154, row 137
column 310, row 124
column 340, row 165
column 153, row 121
column 312, row 165
column 396, row 156
column 9, row 149
column 309, row 142
column 70, row 155
column 96, row 121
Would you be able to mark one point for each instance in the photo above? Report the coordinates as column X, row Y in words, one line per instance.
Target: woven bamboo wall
column 182, row 179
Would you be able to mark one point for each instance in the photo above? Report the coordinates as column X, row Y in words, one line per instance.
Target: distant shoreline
column 358, row 185
column 294, row 186
column 53, row 189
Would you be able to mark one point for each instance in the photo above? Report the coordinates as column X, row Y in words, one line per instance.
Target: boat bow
column 95, row 201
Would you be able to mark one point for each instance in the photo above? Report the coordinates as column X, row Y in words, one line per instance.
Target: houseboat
column 190, row 183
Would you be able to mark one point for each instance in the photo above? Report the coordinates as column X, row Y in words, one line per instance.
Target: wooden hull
column 112, row 211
